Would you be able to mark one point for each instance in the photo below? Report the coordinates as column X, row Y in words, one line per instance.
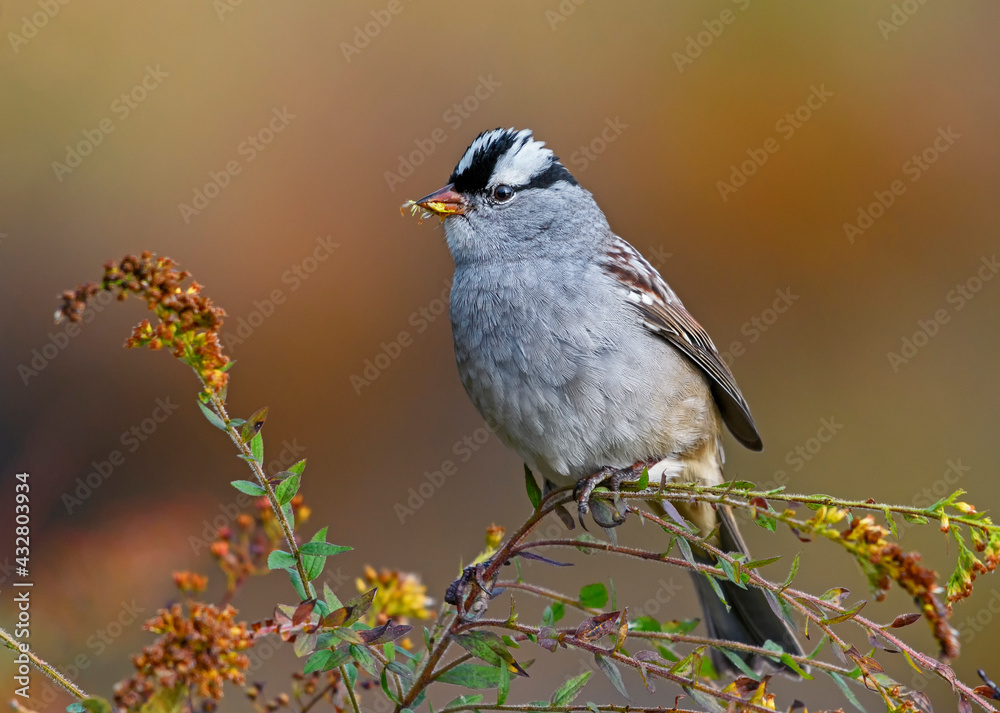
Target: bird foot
column 471, row 593
column 605, row 516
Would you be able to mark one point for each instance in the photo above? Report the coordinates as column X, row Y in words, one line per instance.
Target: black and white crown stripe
column 508, row 157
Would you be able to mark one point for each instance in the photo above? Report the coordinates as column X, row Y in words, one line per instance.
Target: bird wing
column 664, row 315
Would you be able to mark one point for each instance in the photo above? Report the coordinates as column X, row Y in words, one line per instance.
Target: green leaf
column 914, row 519
column 609, row 669
column 892, row 523
column 257, row 448
column 323, row 548
column 765, row 521
column 791, row 575
column 731, row 573
column 739, row 663
column 296, row 580
column 399, row 669
column 594, row 596
column 787, row 659
column 299, row 467
column 212, row 416
column 364, row 658
column 384, row 681
column 287, row 488
column 503, row 687
column 558, row 611
column 569, row 690
column 352, row 674
column 643, row 480
column 846, row 615
column 472, row 675
column 313, row 566
column 645, row 623
column 846, row 690
column 761, row 563
column 718, row 590
column 331, row 599
column 534, row 494
column 679, row 626
column 490, row 648
column 685, row 548
column 245, row 486
column 279, row 559
column 253, row 425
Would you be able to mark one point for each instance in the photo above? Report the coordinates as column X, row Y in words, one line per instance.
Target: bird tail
column 750, row 619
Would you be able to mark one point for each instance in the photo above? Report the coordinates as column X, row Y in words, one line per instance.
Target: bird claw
column 472, row 583
column 613, row 478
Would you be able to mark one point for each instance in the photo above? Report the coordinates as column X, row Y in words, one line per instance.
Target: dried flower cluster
column 969, row 566
column 884, row 562
column 190, row 583
column 188, row 323
column 198, row 650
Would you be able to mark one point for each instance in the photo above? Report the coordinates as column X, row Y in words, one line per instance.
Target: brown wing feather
column 665, row 316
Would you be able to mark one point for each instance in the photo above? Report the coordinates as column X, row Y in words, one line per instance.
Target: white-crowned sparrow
column 571, row 344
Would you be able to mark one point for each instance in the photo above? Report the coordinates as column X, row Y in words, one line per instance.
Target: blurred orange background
column 267, row 148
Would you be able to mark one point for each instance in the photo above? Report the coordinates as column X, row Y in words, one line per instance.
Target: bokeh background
column 651, row 105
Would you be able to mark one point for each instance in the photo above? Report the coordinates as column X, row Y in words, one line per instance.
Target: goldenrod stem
column 11, row 643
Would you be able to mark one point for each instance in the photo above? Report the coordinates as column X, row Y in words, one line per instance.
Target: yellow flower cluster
column 401, row 596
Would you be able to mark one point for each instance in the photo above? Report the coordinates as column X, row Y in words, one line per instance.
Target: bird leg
column 613, row 478
column 470, row 593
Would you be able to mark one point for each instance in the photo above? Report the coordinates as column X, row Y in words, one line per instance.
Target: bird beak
column 444, row 202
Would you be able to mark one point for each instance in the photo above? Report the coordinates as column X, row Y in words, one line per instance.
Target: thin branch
column 51, row 671
column 262, row 480
column 350, row 689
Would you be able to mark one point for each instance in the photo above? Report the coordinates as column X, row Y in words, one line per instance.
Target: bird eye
column 503, row 193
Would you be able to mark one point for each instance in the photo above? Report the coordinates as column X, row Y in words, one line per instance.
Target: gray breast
column 567, row 374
